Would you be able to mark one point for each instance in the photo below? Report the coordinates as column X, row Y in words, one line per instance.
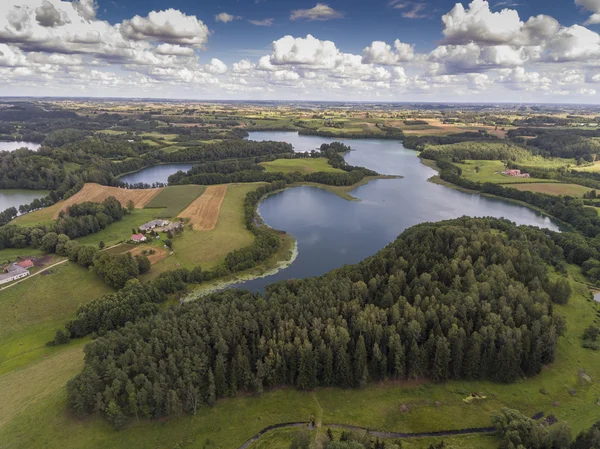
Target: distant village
column 155, row 226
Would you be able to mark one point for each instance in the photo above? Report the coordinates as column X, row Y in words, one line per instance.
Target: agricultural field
column 553, row 188
column 41, row 409
column 202, row 214
column 208, row 248
column 90, row 192
column 305, row 166
column 173, row 199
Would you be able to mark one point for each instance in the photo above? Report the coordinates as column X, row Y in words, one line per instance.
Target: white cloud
column 262, row 23
column 216, row 67
column 170, row 26
column 226, row 18
column 478, row 24
column 174, row 50
column 382, row 53
column 243, row 66
column 575, row 43
column 304, row 51
column 319, row 12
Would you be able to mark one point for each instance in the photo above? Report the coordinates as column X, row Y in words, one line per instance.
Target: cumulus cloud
column 48, row 16
column 262, row 23
column 575, row 43
column 216, row 67
column 382, row 53
column 319, row 12
column 243, row 66
column 304, row 51
column 170, row 26
column 593, row 6
column 226, row 18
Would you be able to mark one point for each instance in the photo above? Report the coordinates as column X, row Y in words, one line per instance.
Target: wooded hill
column 467, row 298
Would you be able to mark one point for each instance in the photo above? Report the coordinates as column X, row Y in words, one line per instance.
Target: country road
column 46, row 269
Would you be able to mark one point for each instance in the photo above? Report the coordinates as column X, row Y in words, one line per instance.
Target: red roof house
column 138, row 237
column 27, row 263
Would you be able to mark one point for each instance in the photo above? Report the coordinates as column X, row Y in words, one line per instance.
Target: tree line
column 451, row 300
column 78, row 220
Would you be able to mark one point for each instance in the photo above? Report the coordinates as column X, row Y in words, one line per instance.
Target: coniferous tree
column 441, row 363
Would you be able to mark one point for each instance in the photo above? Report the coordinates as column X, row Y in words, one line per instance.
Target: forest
column 466, row 298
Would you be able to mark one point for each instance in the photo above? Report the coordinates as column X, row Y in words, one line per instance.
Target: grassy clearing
column 547, row 162
column 553, row 188
column 209, row 248
column 11, row 254
column 300, row 165
column 121, row 230
column 172, row 149
column 159, row 136
column 172, row 200
column 31, row 311
column 491, row 171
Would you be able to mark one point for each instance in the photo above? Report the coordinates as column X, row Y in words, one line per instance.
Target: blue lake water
column 157, row 173
column 332, row 232
column 16, row 198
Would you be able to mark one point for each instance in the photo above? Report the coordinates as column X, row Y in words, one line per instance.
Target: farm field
column 173, row 199
column 203, row 212
column 90, row 192
column 232, row 421
column 208, row 248
column 553, row 188
column 309, row 165
column 491, row 171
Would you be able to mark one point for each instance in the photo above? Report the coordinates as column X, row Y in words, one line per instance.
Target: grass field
column 595, row 167
column 299, row 165
column 174, row 199
column 90, row 192
column 491, row 171
column 32, row 310
column 11, row 254
column 121, row 230
column 40, row 419
column 553, row 188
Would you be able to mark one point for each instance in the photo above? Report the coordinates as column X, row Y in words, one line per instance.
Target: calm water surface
column 332, row 232
column 12, row 146
column 15, row 198
column 158, row 173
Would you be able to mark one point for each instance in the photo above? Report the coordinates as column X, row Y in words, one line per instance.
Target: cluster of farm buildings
column 157, row 226
column 16, row 270
column 515, row 173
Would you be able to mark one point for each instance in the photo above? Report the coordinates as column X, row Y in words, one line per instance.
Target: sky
column 337, row 50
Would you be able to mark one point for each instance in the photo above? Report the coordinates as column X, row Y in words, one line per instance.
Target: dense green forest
column 467, row 298
column 568, row 143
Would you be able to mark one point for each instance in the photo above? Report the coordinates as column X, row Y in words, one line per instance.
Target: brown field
column 97, row 193
column 159, row 255
column 552, row 188
column 203, row 212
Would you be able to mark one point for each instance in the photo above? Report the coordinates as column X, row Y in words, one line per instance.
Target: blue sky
column 391, row 50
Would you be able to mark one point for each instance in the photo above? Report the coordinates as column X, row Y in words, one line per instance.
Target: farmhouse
column 153, row 224
column 138, row 238
column 515, row 173
column 172, row 226
column 14, row 271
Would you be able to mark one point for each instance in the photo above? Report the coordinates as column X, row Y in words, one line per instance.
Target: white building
column 12, row 273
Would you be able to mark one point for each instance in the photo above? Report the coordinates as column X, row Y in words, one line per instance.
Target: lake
column 331, row 232
column 15, row 198
column 12, row 146
column 157, row 173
